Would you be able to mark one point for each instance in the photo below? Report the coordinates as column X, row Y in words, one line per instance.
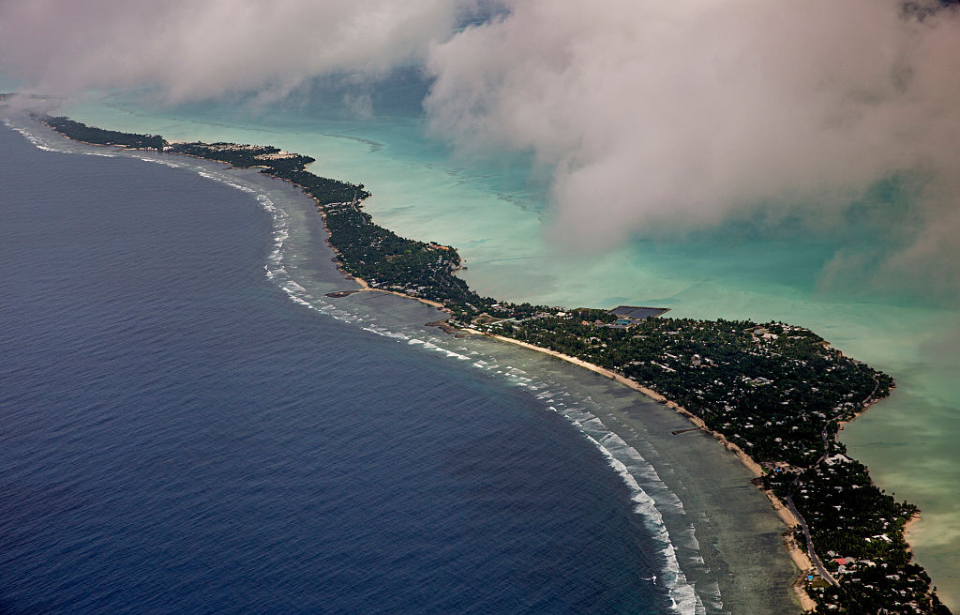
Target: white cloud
column 661, row 115
column 194, row 50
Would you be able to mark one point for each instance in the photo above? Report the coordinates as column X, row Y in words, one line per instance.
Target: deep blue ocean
column 176, row 435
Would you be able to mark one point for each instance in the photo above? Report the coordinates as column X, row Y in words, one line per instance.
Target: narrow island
column 774, row 394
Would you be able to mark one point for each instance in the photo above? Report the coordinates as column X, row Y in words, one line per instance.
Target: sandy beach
column 799, row 557
column 910, row 527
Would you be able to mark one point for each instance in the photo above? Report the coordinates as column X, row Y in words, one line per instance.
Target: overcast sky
column 655, row 116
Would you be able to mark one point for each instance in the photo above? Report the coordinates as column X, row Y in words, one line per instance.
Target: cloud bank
column 195, row 50
column 679, row 114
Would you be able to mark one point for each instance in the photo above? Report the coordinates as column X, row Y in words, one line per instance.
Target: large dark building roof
column 637, row 313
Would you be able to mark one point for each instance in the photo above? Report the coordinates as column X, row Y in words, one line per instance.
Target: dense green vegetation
column 777, row 391
column 99, row 136
column 774, row 390
column 780, row 393
column 858, row 529
column 366, row 250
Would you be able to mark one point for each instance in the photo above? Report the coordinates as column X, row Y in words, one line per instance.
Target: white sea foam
column 166, row 163
column 683, row 594
column 35, row 140
column 651, row 497
column 711, row 593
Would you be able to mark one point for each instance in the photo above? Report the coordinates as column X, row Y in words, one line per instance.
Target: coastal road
column 810, row 550
column 817, row 563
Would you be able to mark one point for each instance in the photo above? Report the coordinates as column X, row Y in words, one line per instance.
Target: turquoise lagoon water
column 495, row 213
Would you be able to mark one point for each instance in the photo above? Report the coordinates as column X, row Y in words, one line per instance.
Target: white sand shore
column 799, row 557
